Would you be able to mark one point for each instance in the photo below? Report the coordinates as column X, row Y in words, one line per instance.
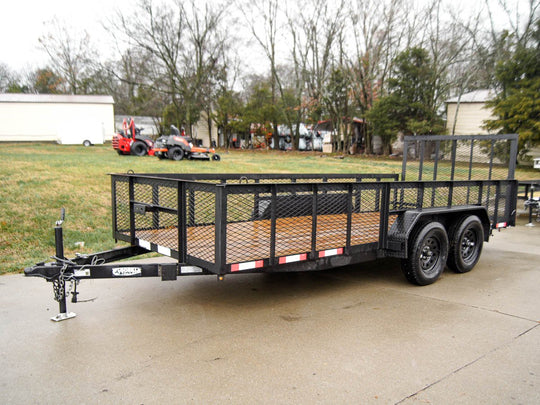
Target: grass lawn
column 38, row 179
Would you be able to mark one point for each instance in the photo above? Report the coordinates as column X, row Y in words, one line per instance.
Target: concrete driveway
column 358, row 334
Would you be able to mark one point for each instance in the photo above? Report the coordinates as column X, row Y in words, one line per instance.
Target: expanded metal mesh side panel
column 201, row 221
column 366, row 217
column 159, row 225
column 404, row 197
column 247, row 239
column 478, row 157
column 436, row 196
column 294, row 222
column 121, row 204
column 332, row 208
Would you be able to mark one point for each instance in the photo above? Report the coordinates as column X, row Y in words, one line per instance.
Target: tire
column 162, row 156
column 216, row 157
column 87, row 143
column 466, row 242
column 427, row 254
column 176, row 153
column 139, row 148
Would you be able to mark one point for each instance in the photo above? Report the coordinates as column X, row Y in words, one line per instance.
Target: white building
column 66, row 119
column 471, row 113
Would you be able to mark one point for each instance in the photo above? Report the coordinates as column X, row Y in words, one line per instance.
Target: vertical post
column 131, row 210
column 404, row 162
column 491, row 156
column 511, row 203
column 496, row 208
column 155, row 201
column 513, row 153
column 450, row 193
column 436, row 163
column 314, row 209
column 191, row 205
column 221, row 228
column 113, row 210
column 383, row 216
column 182, row 222
column 349, row 216
column 469, row 177
column 421, row 165
column 435, row 170
column 420, row 195
column 273, row 208
column 453, row 159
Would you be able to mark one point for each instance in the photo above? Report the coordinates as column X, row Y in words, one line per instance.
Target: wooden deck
column 247, row 241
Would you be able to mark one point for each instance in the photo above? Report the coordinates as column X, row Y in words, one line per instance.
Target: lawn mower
column 178, row 146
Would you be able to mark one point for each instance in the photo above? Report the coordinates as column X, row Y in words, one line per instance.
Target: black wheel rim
column 430, row 254
column 469, row 245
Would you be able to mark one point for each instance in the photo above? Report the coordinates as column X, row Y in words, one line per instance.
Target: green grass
column 38, row 179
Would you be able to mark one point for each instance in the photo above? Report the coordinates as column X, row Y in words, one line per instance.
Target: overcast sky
column 22, row 22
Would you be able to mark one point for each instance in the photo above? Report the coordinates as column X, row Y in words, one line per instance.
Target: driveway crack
column 467, row 365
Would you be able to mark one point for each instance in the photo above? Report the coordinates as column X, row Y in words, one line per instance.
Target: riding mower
column 178, row 146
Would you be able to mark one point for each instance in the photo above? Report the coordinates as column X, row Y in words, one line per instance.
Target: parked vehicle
column 178, row 146
column 223, row 224
column 129, row 141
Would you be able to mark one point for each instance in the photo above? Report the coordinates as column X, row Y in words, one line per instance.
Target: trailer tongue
column 226, row 224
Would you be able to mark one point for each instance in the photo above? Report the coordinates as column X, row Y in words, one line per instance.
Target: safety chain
column 59, row 284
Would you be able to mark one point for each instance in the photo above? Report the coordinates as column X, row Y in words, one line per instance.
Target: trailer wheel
column 139, row 148
column 466, row 241
column 87, row 143
column 216, row 157
column 176, row 153
column 428, row 251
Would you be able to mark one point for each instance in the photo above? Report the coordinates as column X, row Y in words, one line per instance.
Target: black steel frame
column 392, row 198
column 398, row 205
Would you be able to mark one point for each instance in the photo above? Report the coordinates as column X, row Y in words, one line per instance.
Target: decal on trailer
column 82, row 273
column 126, row 271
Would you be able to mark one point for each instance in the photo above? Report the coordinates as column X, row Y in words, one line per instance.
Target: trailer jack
column 59, row 283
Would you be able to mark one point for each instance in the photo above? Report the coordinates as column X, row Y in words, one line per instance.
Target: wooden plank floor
column 247, row 241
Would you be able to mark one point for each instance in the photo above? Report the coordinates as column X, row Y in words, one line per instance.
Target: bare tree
column 186, row 51
column 71, row 54
column 265, row 20
column 379, row 30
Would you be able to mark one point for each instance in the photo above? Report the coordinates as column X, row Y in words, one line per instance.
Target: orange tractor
column 129, row 141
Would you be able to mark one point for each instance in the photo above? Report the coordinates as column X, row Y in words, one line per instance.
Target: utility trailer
column 221, row 224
